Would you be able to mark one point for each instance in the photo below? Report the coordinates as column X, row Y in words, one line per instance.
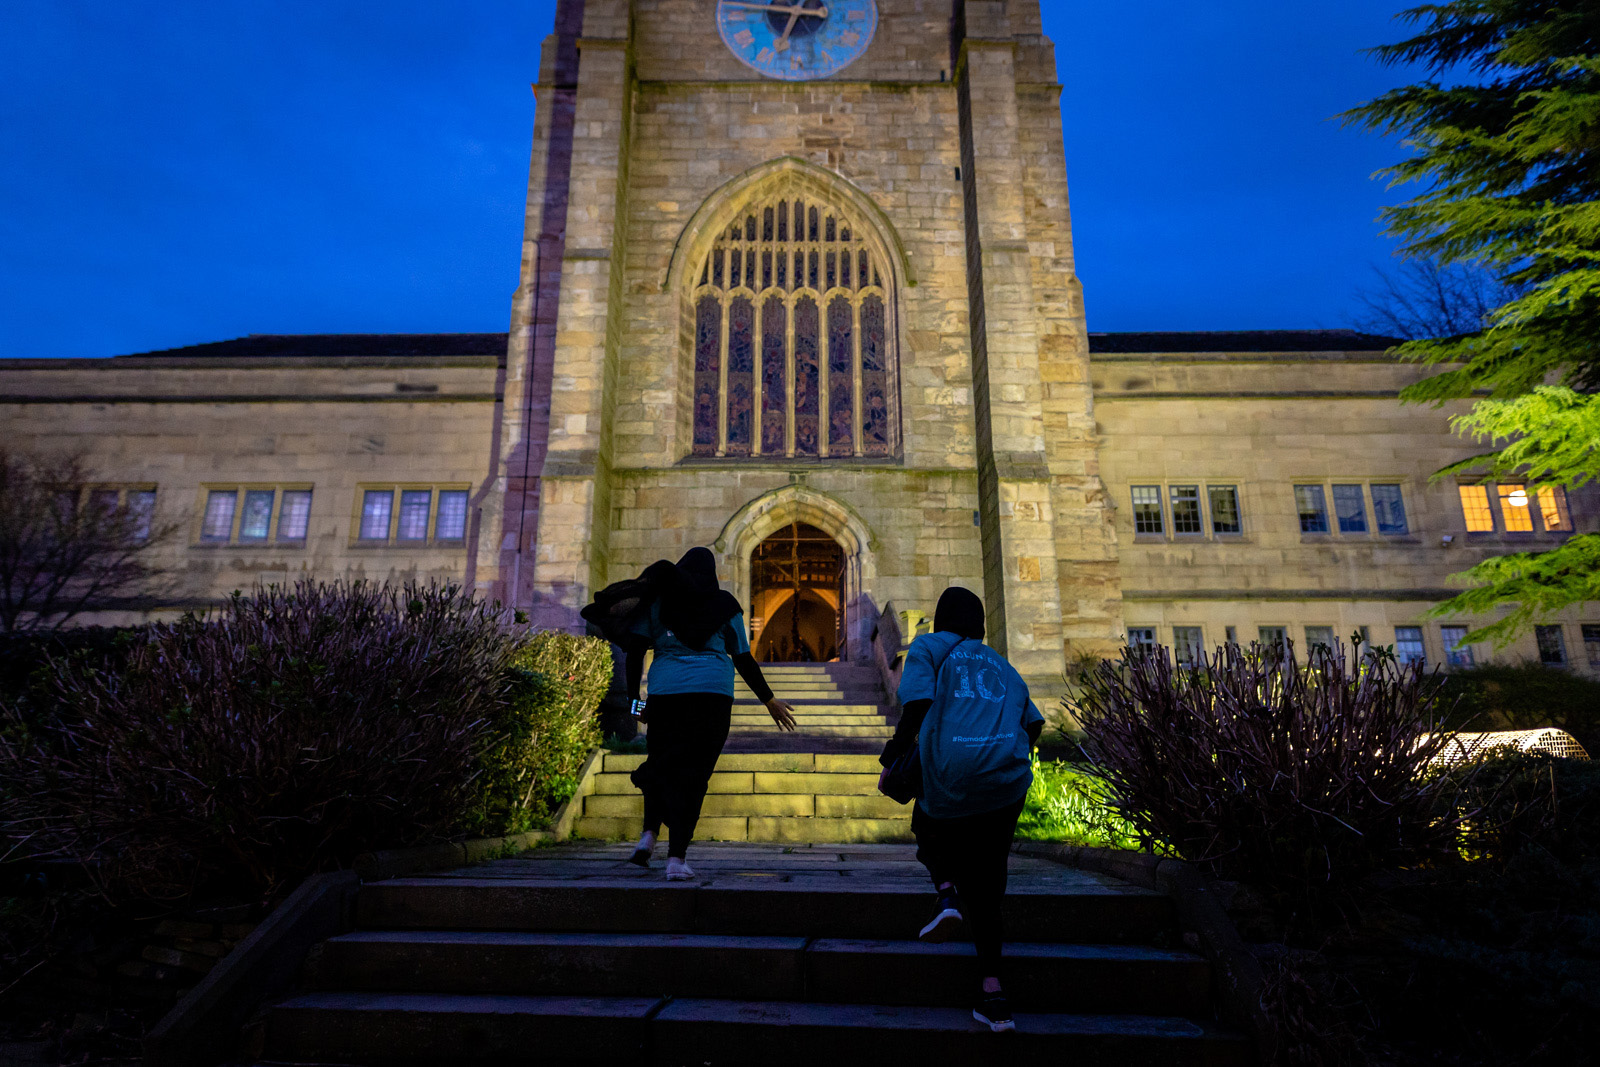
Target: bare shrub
column 1268, row 770
column 238, row 753
column 67, row 546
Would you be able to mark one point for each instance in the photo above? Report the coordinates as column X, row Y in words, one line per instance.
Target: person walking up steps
column 969, row 713
column 698, row 633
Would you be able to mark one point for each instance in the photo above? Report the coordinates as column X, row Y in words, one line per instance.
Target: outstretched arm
column 750, row 671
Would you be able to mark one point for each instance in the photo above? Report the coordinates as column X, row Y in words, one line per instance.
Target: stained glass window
column 741, row 374
column 793, row 348
column 874, row 378
column 707, row 359
column 841, row 377
column 256, row 519
column 774, row 378
column 806, row 395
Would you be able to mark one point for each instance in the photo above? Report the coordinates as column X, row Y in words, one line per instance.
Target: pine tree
column 1508, row 158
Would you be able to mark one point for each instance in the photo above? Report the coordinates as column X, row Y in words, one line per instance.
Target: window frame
column 1496, row 495
column 1211, row 509
column 241, row 491
column 1457, row 656
column 1559, row 632
column 1195, row 497
column 1362, row 512
column 125, row 492
column 1320, row 489
column 1164, row 490
column 1421, row 645
column 1160, row 513
column 1333, row 636
column 1179, row 646
column 397, row 492
column 1369, row 508
column 1282, row 636
column 1590, row 632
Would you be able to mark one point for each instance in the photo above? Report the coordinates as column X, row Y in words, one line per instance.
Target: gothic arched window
column 793, row 337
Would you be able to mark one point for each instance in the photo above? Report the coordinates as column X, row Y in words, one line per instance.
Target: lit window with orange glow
column 1553, row 508
column 1475, row 505
column 1516, row 509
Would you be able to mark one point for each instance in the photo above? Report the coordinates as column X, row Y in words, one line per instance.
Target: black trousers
column 971, row 853
column 685, row 736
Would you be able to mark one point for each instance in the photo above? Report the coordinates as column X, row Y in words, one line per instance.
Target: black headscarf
column 693, row 606
column 959, row 612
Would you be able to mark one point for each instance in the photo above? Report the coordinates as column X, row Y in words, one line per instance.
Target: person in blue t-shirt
column 697, row 631
column 970, row 713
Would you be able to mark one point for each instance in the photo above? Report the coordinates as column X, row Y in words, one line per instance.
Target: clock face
column 797, row 40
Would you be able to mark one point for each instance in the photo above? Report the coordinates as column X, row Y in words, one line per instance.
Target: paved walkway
column 751, row 865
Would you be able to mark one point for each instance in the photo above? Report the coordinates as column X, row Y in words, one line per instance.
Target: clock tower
column 798, row 284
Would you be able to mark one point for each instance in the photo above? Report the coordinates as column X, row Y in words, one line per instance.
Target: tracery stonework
column 792, row 343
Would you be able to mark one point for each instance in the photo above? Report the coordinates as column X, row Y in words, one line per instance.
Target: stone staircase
column 775, row 955
column 839, row 707
column 819, row 784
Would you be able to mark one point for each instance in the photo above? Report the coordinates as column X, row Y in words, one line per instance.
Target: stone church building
column 798, row 283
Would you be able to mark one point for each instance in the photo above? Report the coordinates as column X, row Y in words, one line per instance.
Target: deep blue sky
column 176, row 171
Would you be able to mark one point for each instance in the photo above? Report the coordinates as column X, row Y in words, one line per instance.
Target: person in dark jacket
column 698, row 633
column 976, row 769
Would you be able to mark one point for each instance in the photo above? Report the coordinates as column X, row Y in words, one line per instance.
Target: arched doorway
column 797, row 597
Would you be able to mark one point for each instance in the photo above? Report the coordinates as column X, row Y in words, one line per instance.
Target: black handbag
column 901, row 781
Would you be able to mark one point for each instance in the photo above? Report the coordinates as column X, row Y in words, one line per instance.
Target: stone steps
column 432, row 1028
column 840, row 708
column 803, row 797
column 1090, row 979
column 742, row 905
column 772, row 955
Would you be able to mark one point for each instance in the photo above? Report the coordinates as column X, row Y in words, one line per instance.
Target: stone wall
column 1266, row 422
column 183, row 426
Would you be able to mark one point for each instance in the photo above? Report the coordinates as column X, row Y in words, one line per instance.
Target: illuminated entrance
column 797, row 586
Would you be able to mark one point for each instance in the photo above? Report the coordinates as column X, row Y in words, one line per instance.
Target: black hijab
column 959, row 612
column 693, row 606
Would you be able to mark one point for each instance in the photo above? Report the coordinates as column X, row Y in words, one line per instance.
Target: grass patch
column 1069, row 804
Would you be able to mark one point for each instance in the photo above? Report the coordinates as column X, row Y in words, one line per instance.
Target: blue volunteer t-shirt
column 677, row 668
column 974, row 740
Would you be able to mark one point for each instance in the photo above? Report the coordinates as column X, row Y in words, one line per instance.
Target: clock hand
column 816, row 12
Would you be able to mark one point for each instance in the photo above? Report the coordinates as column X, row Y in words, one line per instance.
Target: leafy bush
column 544, row 732
column 1068, row 803
column 238, row 753
column 1268, row 770
column 25, row 656
column 1526, row 697
column 1525, row 803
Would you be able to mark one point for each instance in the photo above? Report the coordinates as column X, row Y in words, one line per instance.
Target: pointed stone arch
column 771, row 512
column 722, row 206
column 775, row 366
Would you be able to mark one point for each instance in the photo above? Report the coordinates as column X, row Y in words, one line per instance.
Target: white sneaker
column 678, row 870
column 641, row 853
